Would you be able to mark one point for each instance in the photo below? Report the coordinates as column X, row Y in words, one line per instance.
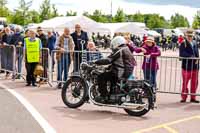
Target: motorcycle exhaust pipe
column 132, row 106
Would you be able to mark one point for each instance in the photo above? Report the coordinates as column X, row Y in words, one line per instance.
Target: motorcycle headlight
column 84, row 66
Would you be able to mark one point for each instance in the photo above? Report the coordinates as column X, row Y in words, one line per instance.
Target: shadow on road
column 187, row 106
column 192, row 107
column 172, row 105
column 83, row 114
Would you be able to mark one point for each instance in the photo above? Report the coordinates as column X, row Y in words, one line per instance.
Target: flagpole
column 111, row 11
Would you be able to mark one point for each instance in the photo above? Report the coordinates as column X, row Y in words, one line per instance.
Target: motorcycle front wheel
column 74, row 92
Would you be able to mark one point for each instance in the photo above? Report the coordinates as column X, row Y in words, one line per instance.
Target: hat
column 150, row 39
column 189, row 32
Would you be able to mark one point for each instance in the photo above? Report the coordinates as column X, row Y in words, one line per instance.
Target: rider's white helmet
column 117, row 41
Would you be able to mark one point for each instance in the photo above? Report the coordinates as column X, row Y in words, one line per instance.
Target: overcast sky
column 192, row 3
column 166, row 8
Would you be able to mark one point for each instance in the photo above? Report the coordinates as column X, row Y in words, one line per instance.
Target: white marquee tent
column 153, row 33
column 131, row 27
column 59, row 23
column 198, row 31
column 178, row 32
column 89, row 25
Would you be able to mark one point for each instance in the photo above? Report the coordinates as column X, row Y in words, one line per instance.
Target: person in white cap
column 121, row 67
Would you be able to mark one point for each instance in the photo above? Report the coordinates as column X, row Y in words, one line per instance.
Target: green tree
column 20, row 15
column 98, row 16
column 33, row 16
column 196, row 22
column 17, row 18
column 3, row 3
column 155, row 21
column 178, row 20
column 45, row 10
column 120, row 16
column 86, row 14
column 138, row 17
column 71, row 13
column 54, row 11
column 4, row 11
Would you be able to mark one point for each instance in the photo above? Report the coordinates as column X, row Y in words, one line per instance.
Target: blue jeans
column 63, row 66
column 19, row 63
column 150, row 75
column 52, row 58
column 19, row 58
column 7, row 58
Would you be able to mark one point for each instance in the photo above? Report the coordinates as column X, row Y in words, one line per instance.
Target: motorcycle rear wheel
column 139, row 113
column 135, row 113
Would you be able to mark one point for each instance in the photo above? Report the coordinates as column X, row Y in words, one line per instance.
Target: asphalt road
column 14, row 118
column 171, row 116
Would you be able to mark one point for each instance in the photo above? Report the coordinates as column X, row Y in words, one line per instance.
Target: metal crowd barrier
column 13, row 61
column 45, row 63
column 59, row 65
column 68, row 63
column 19, row 63
column 169, row 75
column 8, row 57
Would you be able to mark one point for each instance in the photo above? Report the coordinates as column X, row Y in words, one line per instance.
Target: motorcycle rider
column 121, row 63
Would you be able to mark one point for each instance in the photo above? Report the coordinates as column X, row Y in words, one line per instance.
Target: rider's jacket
column 122, row 61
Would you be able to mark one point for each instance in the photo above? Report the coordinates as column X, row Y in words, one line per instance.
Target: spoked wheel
column 140, row 111
column 74, row 92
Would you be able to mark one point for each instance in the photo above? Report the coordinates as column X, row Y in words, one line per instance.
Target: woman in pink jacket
column 150, row 64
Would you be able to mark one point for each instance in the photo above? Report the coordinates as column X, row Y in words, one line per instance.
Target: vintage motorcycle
column 136, row 97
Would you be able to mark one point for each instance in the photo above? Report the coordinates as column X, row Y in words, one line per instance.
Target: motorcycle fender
column 150, row 88
column 76, row 77
column 80, row 78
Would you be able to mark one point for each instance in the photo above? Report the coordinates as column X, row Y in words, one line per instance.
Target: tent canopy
column 59, row 23
column 153, row 33
column 89, row 25
column 178, row 32
column 131, row 27
column 198, row 31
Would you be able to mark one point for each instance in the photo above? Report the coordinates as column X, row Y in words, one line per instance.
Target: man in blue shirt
column 17, row 40
column 80, row 39
column 51, row 45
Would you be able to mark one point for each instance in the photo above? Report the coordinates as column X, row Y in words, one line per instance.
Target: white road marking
column 36, row 115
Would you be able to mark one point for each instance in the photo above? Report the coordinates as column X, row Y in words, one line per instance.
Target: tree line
column 22, row 15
